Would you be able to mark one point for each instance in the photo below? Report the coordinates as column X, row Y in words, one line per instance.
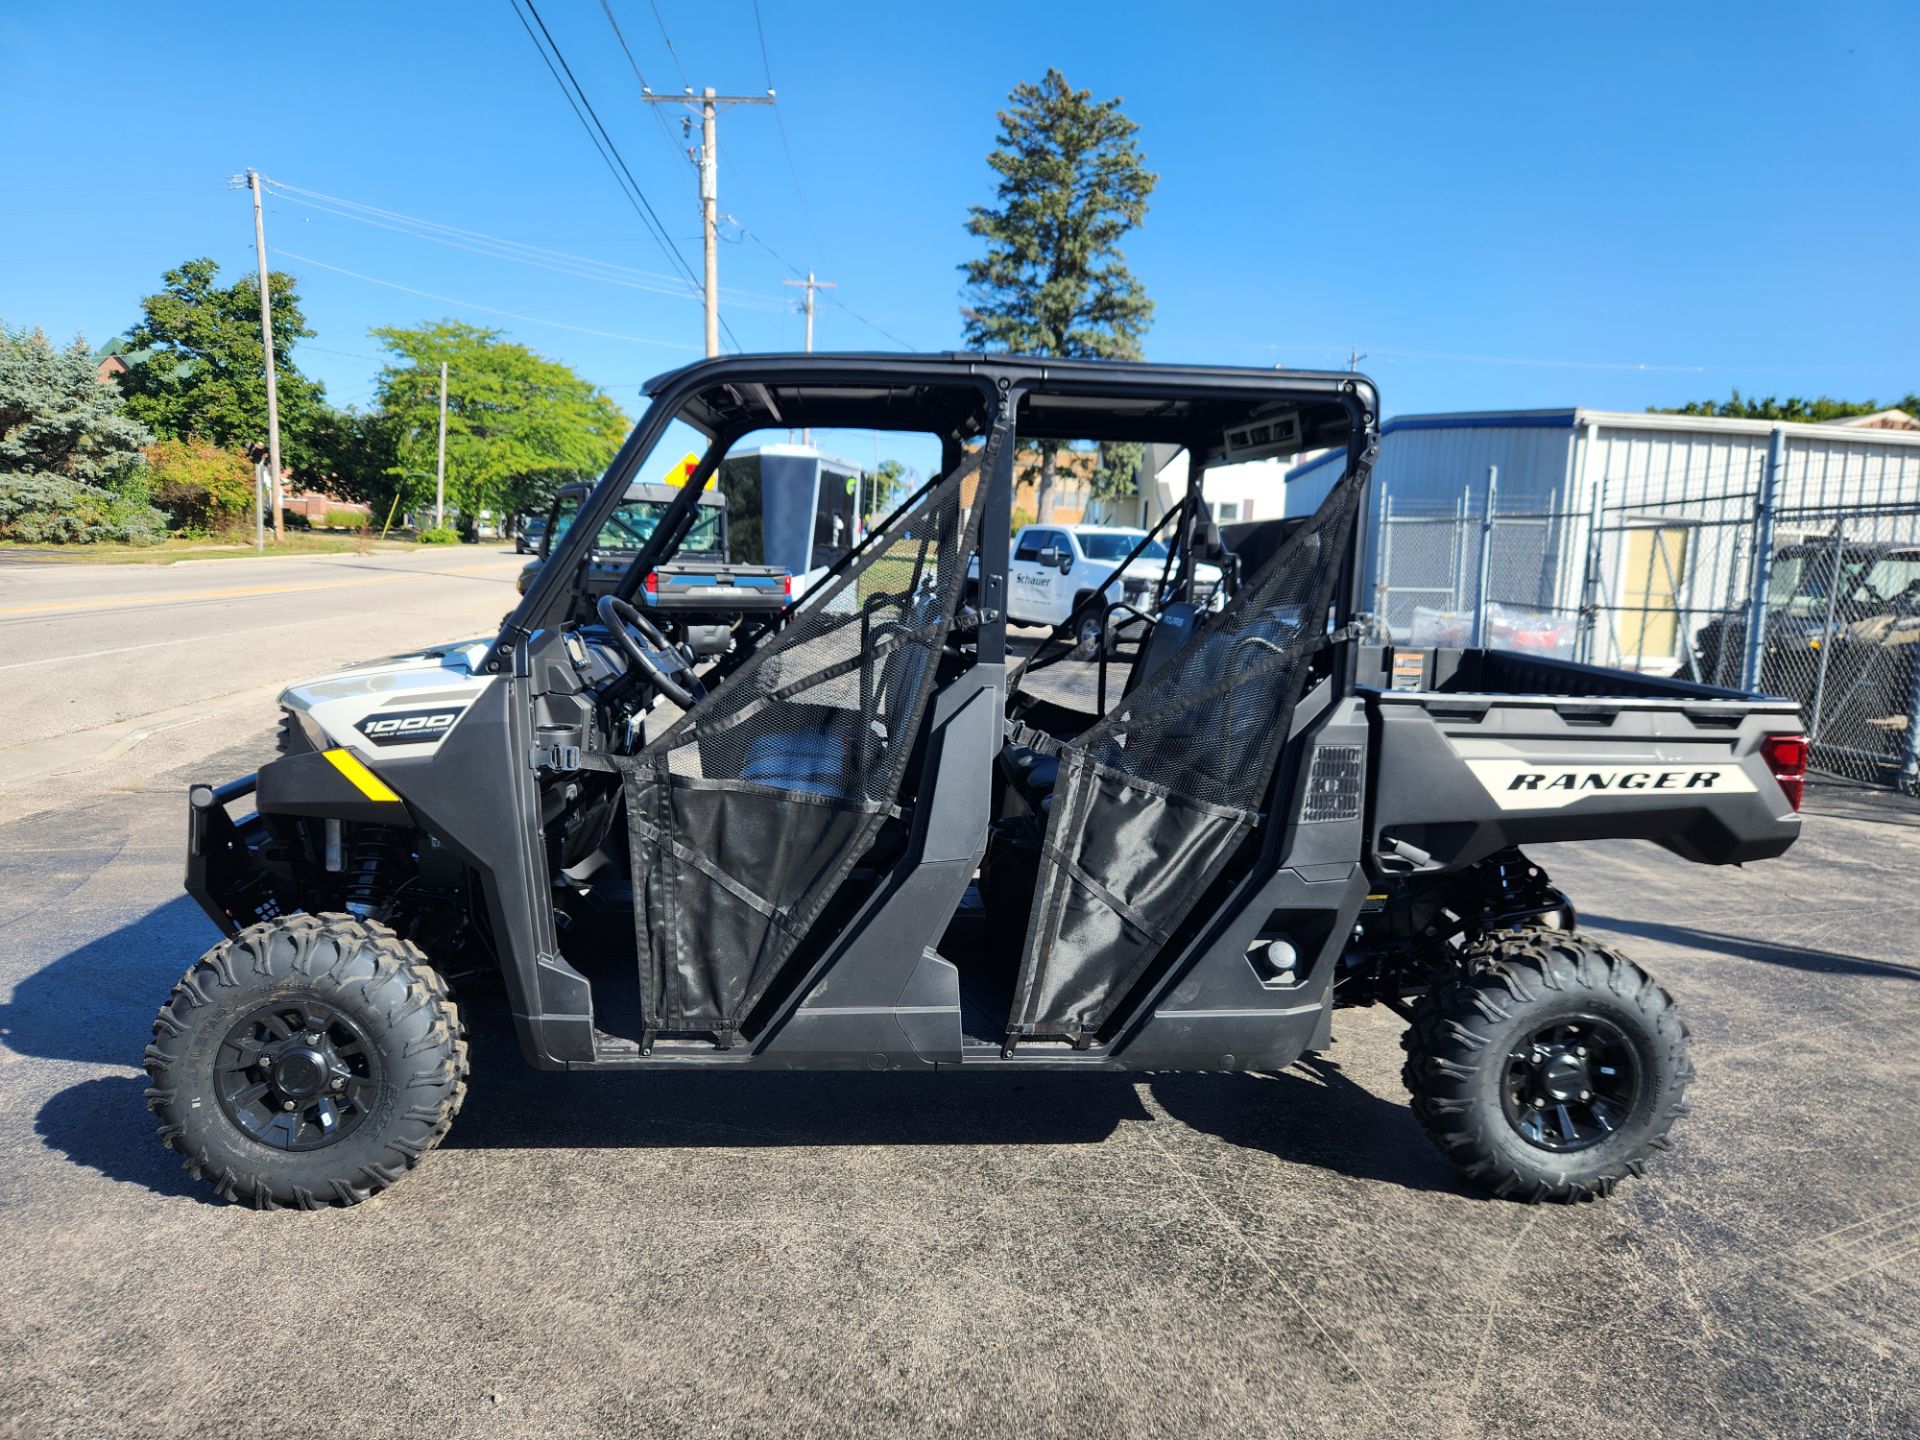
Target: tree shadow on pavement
column 1793, row 957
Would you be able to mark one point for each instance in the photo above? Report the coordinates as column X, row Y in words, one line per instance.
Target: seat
column 809, row 762
column 1172, row 628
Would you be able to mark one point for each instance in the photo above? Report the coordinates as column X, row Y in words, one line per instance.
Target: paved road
column 96, row 658
column 800, row 1254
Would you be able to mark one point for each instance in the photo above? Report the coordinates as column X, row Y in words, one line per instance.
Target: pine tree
column 57, row 418
column 70, row 463
column 1053, row 281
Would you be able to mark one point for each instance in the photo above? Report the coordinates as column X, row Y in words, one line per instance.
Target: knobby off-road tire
column 367, row 1078
column 1548, row 1067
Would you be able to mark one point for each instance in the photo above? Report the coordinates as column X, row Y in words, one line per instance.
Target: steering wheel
column 650, row 651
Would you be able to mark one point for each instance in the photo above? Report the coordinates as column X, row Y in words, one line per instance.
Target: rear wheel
column 307, row 1061
column 1549, row 1067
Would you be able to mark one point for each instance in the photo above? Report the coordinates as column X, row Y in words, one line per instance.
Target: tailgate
column 1460, row 776
column 743, row 589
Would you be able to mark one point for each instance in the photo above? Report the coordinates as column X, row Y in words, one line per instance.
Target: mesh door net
column 1153, row 799
column 748, row 813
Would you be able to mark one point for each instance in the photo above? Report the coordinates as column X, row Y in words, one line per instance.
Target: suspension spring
column 379, row 862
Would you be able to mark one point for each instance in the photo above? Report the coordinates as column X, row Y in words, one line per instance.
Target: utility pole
column 440, row 473
column 709, row 104
column 810, row 285
column 1354, row 357
column 266, row 344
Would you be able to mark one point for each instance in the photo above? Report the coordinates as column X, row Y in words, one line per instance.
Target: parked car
column 1056, row 567
column 526, row 539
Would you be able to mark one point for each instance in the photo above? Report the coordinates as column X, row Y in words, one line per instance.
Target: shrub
column 442, row 535
column 49, row 510
column 1021, row 517
column 202, row 486
column 345, row 519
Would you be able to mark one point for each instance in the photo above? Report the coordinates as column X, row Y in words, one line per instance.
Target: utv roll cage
column 971, row 402
column 731, row 396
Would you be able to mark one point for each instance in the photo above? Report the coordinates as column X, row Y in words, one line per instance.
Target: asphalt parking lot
column 823, row 1255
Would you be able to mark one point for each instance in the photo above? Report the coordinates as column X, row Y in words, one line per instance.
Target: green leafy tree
column 1794, row 407
column 886, row 486
column 518, row 425
column 196, row 368
column 1053, row 280
column 351, row 453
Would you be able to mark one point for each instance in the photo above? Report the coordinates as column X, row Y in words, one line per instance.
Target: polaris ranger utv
column 700, row 600
column 864, row 843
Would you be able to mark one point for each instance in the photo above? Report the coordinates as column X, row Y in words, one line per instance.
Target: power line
column 685, row 84
column 666, row 130
column 1385, row 354
column 653, row 227
column 603, row 141
column 834, row 300
column 480, row 235
column 799, row 190
column 475, row 305
column 498, row 248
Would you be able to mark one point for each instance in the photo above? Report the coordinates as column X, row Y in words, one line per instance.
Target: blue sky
column 1517, row 205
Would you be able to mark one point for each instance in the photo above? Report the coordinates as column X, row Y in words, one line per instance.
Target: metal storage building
column 1640, row 525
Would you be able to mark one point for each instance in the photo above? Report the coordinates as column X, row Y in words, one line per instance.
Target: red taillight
column 652, row 583
column 786, row 584
column 1786, row 756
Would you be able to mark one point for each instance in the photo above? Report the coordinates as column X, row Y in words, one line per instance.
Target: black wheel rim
column 1570, row 1084
column 297, row 1075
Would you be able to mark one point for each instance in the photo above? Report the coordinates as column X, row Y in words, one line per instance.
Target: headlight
column 301, row 732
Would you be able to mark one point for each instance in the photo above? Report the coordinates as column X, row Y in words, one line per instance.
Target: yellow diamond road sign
column 683, row 472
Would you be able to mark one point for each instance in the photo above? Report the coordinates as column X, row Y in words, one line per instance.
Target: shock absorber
column 379, row 861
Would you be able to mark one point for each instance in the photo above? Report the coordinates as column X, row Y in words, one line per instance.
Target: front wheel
column 1549, row 1067
column 1090, row 639
column 307, row 1061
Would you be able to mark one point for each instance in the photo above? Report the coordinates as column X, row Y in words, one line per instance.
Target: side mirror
column 1050, row 556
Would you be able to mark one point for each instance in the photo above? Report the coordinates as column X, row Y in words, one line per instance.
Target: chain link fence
column 1697, row 574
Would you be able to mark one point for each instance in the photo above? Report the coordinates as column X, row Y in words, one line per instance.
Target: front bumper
column 226, row 858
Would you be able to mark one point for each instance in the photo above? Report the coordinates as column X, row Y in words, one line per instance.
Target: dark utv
column 865, row 842
column 700, row 599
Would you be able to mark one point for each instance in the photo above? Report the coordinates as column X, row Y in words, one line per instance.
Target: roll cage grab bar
column 1001, row 382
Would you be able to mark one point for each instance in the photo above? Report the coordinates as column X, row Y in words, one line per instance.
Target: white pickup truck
column 1054, row 567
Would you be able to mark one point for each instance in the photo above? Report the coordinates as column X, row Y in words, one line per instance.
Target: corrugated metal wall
column 1426, row 461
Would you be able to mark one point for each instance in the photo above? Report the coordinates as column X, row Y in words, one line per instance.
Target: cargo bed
column 1475, row 751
